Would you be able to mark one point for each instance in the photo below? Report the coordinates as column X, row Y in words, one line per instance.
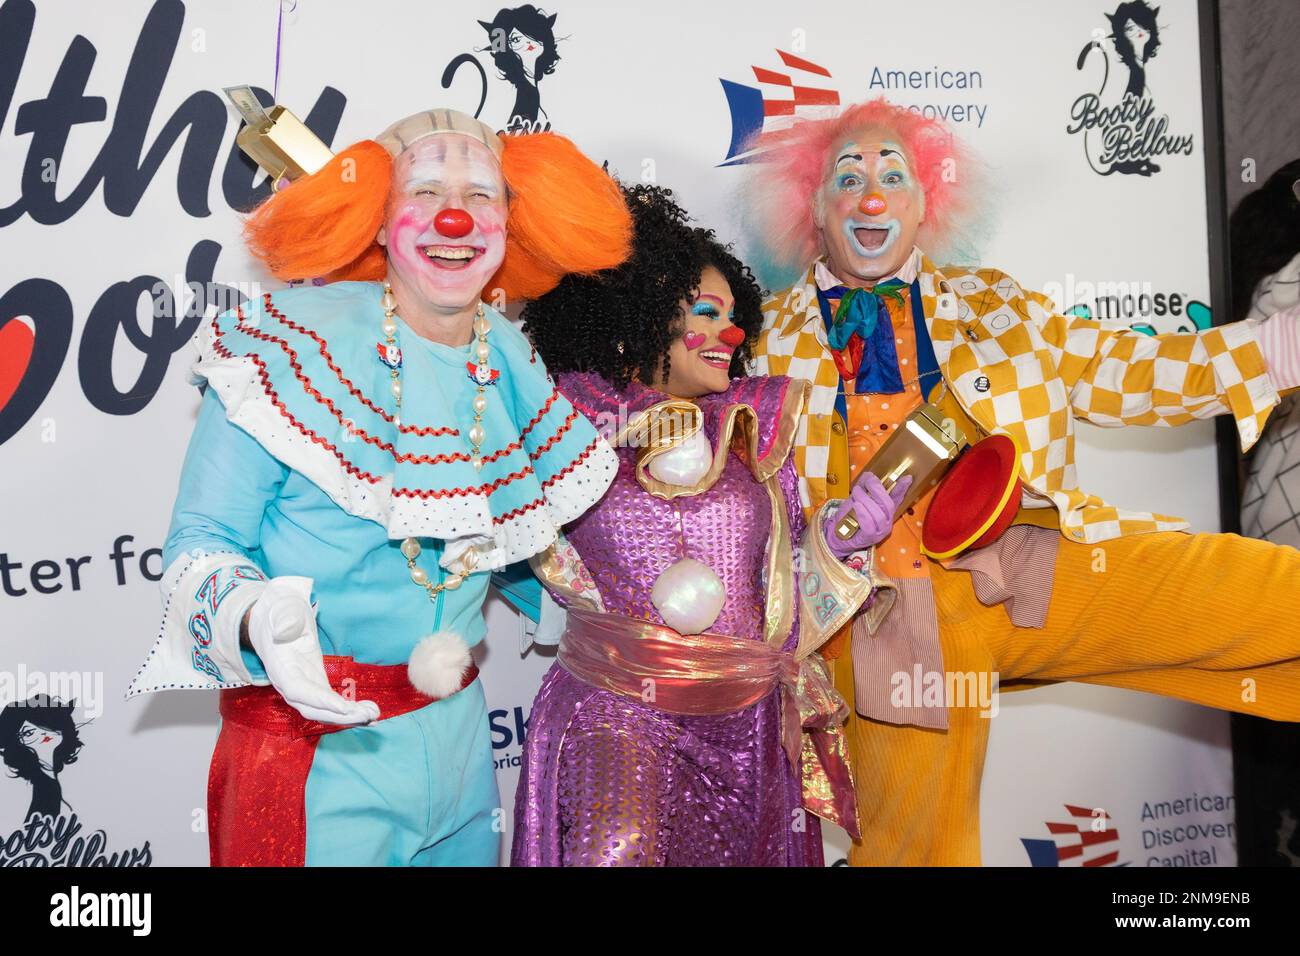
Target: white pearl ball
column 685, row 463
column 689, row 596
column 396, row 388
column 419, row 576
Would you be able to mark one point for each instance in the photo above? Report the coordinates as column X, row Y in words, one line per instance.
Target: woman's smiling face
column 445, row 229
column 869, row 208
column 700, row 358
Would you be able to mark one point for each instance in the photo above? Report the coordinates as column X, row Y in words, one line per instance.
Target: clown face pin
column 390, row 355
column 482, row 374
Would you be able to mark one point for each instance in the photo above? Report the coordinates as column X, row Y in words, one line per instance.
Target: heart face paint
column 445, row 231
column 699, row 361
column 869, row 208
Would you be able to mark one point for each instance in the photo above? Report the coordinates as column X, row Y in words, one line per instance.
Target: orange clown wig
column 793, row 163
column 566, row 215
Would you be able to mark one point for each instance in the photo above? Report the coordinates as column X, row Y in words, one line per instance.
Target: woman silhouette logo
column 522, row 45
column 1137, row 37
column 38, row 738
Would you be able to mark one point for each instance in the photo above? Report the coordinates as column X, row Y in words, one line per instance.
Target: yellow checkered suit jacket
column 1019, row 367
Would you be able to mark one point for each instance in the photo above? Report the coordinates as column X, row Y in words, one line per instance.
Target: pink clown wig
column 784, row 180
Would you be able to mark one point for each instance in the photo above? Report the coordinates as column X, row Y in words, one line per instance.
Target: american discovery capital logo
column 75, row 909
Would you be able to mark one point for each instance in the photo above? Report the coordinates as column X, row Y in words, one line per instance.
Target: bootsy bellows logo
column 1123, row 130
column 39, row 739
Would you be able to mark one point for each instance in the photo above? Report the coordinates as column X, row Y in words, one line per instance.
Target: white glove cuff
column 204, row 600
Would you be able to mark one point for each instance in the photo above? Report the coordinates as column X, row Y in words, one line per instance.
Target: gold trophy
column 923, row 447
column 277, row 141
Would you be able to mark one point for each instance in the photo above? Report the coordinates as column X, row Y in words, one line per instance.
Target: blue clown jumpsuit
column 419, row 788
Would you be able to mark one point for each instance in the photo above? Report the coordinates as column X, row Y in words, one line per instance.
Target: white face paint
column 869, row 208
column 442, row 179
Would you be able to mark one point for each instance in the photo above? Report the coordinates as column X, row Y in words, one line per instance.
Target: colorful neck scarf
column 865, row 314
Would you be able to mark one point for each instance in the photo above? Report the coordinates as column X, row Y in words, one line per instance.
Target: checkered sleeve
column 1118, row 376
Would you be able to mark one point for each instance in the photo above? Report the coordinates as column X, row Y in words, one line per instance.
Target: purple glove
column 874, row 508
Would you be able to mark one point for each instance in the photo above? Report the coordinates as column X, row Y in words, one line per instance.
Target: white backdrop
column 637, row 85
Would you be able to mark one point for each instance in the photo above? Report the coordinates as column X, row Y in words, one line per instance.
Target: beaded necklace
column 482, row 375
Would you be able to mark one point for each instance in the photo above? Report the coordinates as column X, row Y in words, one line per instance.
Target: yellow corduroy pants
column 1209, row 618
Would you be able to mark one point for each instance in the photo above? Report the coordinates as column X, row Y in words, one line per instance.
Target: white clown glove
column 282, row 630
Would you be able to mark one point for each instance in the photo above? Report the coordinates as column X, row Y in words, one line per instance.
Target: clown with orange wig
column 367, row 453
column 1075, row 588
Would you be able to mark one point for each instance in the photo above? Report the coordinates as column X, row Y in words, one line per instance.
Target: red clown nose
column 732, row 336
column 873, row 204
column 453, row 223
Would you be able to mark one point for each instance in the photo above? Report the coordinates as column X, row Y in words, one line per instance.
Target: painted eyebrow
column 856, row 156
column 414, row 183
column 711, row 298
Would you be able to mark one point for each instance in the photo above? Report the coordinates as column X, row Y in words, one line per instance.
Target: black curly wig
column 581, row 324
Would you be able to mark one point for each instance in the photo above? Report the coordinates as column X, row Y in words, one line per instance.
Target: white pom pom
column 689, row 596
column 438, row 664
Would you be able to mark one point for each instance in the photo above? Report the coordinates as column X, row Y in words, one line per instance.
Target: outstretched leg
column 1209, row 618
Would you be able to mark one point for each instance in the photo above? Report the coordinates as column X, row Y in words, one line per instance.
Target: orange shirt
column 872, row 419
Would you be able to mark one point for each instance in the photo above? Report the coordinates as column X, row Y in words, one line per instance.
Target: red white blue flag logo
column 1088, row 839
column 798, row 90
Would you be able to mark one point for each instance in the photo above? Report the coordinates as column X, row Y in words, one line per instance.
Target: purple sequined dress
column 609, row 780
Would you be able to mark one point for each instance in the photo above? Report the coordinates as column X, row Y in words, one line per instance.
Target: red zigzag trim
column 487, row 489
column 421, row 430
column 422, row 459
column 428, row 431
